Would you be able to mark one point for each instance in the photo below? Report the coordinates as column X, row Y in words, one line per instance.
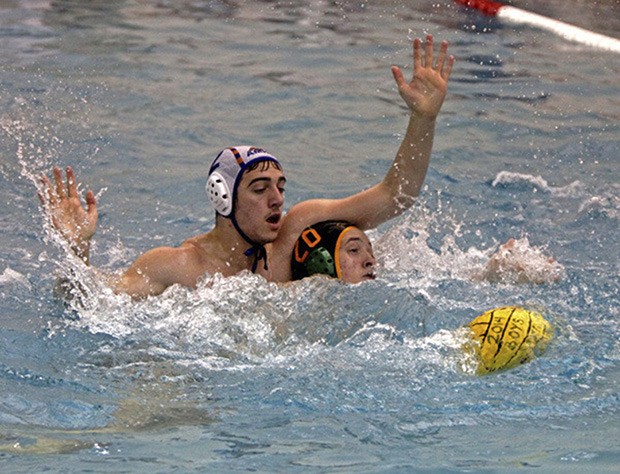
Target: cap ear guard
column 220, row 194
column 317, row 250
column 226, row 172
column 320, row 261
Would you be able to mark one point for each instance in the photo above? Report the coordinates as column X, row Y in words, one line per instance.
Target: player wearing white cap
column 246, row 187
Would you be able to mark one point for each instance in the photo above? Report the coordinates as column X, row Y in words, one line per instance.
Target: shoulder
column 295, row 221
column 312, row 211
column 162, row 267
column 163, row 255
column 165, row 265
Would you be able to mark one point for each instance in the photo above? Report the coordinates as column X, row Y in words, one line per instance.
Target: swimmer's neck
column 229, row 246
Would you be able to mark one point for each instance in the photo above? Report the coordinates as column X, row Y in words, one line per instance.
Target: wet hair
column 263, row 165
column 260, row 166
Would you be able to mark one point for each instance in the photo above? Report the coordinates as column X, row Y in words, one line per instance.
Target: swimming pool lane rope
column 565, row 30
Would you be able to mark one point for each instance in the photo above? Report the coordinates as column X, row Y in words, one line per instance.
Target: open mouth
column 274, row 219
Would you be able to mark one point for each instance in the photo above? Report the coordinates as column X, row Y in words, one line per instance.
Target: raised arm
column 151, row 274
column 424, row 95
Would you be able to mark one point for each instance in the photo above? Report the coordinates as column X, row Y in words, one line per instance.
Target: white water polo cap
column 226, row 172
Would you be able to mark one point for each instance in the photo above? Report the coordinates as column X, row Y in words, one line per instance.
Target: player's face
column 357, row 261
column 260, row 198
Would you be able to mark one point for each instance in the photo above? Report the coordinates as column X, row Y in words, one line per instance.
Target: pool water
column 242, row 374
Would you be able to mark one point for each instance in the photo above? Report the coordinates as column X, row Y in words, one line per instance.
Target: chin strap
column 256, row 249
column 259, row 254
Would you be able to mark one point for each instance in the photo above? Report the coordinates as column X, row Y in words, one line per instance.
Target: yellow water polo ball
column 506, row 337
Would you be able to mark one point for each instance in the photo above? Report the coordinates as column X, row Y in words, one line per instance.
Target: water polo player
column 334, row 248
column 250, row 225
column 499, row 339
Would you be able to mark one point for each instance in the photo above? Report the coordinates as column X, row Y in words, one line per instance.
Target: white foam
column 509, row 178
column 519, row 262
column 10, row 276
column 505, row 178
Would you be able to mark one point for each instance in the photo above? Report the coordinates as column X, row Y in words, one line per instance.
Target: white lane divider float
column 565, row 30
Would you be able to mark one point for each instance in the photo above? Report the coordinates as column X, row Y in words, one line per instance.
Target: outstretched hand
column 74, row 222
column 427, row 90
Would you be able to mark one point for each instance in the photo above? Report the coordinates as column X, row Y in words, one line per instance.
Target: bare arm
column 424, row 95
column 149, row 275
column 156, row 270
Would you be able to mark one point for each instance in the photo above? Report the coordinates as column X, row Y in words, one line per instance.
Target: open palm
column 426, row 91
column 75, row 223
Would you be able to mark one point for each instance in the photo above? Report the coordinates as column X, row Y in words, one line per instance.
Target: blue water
column 315, row 376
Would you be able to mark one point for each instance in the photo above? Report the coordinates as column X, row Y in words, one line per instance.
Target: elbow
column 400, row 198
column 403, row 202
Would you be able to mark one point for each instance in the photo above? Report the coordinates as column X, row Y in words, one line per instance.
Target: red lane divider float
column 565, row 30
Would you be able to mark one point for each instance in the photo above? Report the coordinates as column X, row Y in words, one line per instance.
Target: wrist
column 82, row 250
column 423, row 117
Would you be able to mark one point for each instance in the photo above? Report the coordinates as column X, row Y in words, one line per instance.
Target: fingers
column 60, row 185
column 417, row 54
column 91, row 202
column 428, row 59
column 52, row 194
column 71, row 183
column 46, row 196
column 445, row 73
column 444, row 62
column 62, row 190
column 441, row 57
column 398, row 76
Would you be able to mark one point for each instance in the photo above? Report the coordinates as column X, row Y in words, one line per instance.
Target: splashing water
column 243, row 374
